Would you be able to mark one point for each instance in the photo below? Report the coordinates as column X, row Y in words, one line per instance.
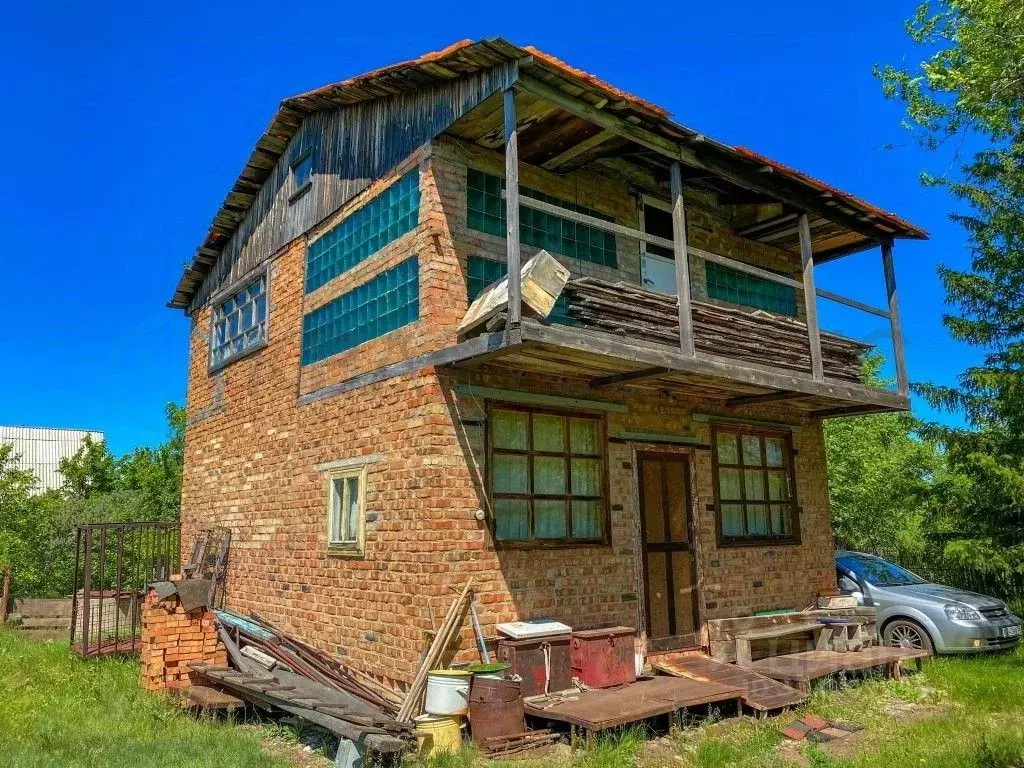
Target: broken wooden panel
column 542, row 280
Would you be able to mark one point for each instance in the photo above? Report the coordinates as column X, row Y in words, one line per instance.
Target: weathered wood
column 902, row 384
column 644, row 374
column 686, row 344
column 810, row 300
column 208, row 699
column 539, row 398
column 542, row 280
column 580, row 148
column 759, row 692
column 768, row 397
column 515, row 306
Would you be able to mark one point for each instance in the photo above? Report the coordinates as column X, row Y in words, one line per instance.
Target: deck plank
column 600, row 709
column 759, row 692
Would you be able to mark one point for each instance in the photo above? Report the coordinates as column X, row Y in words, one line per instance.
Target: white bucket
column 447, row 692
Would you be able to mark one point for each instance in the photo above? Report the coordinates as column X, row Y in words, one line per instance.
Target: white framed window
column 346, row 504
column 239, row 323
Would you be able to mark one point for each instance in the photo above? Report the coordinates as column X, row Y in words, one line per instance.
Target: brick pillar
column 173, row 639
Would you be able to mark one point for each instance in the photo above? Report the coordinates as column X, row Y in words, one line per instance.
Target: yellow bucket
column 438, row 733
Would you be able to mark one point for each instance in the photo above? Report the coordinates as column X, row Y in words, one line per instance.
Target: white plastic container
column 447, row 692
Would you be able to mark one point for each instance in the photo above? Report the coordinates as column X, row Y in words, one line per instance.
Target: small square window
column 346, row 500
column 302, row 172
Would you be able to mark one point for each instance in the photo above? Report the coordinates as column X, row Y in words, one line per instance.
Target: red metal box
column 602, row 658
column 539, row 659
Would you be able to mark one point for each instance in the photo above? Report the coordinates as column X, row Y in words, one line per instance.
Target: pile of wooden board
column 749, row 335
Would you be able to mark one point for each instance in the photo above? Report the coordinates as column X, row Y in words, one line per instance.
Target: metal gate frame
column 114, row 564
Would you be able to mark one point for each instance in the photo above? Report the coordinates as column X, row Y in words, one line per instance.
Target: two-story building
column 649, row 455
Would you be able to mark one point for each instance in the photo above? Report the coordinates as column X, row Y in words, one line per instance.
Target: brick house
column 609, row 464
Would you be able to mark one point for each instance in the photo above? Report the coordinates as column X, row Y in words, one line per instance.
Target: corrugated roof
column 41, row 448
column 458, row 59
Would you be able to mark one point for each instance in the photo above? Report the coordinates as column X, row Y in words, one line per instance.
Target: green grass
column 58, row 711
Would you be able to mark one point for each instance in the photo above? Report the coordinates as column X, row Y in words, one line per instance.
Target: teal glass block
column 485, row 212
column 735, row 287
column 381, row 221
column 378, row 306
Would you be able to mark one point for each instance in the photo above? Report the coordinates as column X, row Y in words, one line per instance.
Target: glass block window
column 239, row 323
column 754, row 484
column 546, row 471
column 485, row 212
column 388, row 301
column 382, row 220
column 482, row 272
column 727, row 284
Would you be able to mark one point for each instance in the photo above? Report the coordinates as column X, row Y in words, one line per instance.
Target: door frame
column 678, row 641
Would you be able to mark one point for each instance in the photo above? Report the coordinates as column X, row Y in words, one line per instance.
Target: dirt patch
column 288, row 749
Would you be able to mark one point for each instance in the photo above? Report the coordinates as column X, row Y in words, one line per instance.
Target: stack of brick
column 173, row 640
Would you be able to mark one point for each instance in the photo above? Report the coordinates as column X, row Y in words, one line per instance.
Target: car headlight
column 961, row 613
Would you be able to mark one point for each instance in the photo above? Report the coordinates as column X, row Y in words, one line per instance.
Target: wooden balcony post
column 894, row 320
column 515, row 300
column 682, row 260
column 810, row 299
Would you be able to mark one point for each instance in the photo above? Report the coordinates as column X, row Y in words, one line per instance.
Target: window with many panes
column 547, row 475
column 345, row 504
column 754, row 484
column 239, row 323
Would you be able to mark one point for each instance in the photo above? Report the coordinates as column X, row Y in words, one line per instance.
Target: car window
column 879, row 572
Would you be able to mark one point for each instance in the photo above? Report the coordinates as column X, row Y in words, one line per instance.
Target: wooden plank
column 210, row 699
column 642, row 374
column 657, row 437
column 580, row 148
column 682, row 262
column 512, row 250
column 839, row 299
column 902, row 384
column 768, row 397
column 759, row 692
column 487, row 344
column 538, row 398
column 810, row 300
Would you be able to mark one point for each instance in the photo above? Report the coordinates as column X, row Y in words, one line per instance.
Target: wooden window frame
column 298, row 190
column 218, row 301
column 602, row 456
column 344, row 472
column 787, row 440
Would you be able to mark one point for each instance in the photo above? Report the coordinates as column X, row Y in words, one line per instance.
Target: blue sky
column 125, row 125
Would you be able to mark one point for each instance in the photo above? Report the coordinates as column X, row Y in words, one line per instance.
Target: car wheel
column 904, row 633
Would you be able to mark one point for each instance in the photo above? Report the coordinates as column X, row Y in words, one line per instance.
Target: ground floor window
column 754, row 481
column 546, row 475
column 346, row 504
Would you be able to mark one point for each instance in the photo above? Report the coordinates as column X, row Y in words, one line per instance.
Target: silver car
column 915, row 613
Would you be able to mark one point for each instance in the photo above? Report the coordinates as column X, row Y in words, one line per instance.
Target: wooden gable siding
column 351, row 146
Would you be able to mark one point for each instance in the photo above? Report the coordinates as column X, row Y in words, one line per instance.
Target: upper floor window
column 727, row 284
column 302, row 172
column 547, row 476
column 754, row 484
column 239, row 323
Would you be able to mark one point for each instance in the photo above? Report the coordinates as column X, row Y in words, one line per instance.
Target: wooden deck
column 760, row 693
column 799, row 669
column 600, row 709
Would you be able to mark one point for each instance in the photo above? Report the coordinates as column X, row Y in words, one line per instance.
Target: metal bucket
column 495, row 708
column 438, row 734
column 447, row 692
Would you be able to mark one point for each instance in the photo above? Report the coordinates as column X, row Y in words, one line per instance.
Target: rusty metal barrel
column 495, row 708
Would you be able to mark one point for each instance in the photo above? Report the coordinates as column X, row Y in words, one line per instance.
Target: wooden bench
column 777, row 632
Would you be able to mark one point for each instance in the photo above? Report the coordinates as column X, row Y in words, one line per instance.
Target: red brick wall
column 252, row 454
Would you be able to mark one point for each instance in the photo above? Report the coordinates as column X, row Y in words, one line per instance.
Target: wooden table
column 777, row 632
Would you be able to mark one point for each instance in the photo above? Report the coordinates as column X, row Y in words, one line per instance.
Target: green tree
column 92, row 470
column 967, row 99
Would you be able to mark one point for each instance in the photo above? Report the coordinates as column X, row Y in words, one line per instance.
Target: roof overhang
column 841, row 223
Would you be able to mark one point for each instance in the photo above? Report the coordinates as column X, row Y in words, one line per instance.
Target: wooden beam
column 769, row 397
column 538, row 398
column 682, row 260
column 848, row 410
column 760, row 227
column 491, row 344
column 902, row 383
column 515, row 298
column 810, row 300
column 629, row 377
column 838, row 299
column 651, row 354
column 578, row 150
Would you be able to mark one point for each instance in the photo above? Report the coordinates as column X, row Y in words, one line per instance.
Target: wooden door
column 670, row 569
